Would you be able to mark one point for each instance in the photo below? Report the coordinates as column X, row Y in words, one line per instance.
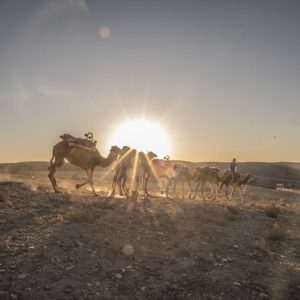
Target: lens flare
column 142, row 135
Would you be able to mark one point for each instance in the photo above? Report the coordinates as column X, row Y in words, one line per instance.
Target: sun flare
column 142, row 135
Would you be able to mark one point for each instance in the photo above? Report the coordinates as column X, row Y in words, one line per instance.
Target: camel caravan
column 82, row 152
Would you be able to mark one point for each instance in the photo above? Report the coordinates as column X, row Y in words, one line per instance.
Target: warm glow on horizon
column 142, row 135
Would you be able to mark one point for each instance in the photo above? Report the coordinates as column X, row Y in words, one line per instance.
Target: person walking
column 233, row 166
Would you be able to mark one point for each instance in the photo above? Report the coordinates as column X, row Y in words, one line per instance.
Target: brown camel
column 235, row 181
column 123, row 164
column 80, row 156
column 181, row 174
column 145, row 169
column 208, row 175
column 140, row 164
column 161, row 169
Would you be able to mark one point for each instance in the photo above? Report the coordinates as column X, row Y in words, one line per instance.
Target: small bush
column 272, row 211
column 233, row 209
column 79, row 214
column 277, row 234
column 263, row 245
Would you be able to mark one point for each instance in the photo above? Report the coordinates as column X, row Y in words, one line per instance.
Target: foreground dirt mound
column 76, row 246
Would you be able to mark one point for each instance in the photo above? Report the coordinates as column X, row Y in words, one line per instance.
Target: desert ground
column 75, row 245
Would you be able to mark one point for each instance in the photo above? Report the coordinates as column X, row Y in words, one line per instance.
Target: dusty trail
column 78, row 246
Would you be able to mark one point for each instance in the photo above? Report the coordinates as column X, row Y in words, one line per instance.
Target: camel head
column 114, row 153
column 151, row 155
column 247, row 178
column 124, row 150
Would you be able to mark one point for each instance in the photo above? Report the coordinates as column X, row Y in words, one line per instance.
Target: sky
column 220, row 77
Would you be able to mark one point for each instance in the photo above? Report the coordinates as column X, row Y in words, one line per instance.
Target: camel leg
column 227, row 189
column 216, row 192
column 90, row 173
column 220, row 186
column 78, row 186
column 123, row 184
column 196, row 190
column 213, row 192
column 52, row 170
column 91, row 180
column 175, row 191
column 242, row 196
column 190, row 186
column 232, row 192
column 182, row 190
column 167, row 187
column 146, row 185
column 202, row 191
column 114, row 183
column 121, row 189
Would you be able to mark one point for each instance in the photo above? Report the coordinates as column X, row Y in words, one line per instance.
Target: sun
column 142, row 135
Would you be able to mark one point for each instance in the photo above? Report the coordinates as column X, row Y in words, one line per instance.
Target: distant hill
column 265, row 174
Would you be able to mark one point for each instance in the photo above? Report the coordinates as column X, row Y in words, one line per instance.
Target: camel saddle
column 84, row 144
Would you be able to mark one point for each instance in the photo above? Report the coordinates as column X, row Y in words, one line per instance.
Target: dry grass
column 262, row 244
column 277, row 233
column 233, row 209
column 78, row 214
column 272, row 211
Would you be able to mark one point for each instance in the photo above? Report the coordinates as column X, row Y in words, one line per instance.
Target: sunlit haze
column 221, row 78
column 142, row 135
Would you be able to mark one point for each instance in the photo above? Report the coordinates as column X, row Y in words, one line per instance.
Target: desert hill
column 265, row 174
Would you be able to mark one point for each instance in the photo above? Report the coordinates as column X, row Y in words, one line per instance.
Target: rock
column 263, row 295
column 22, row 276
column 69, row 268
column 236, row 283
column 127, row 249
column 13, row 296
column 118, row 276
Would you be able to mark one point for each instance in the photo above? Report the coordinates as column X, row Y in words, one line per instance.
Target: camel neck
column 106, row 161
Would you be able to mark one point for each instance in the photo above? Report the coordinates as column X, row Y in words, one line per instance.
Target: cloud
column 18, row 97
column 57, row 8
column 54, row 92
column 77, row 5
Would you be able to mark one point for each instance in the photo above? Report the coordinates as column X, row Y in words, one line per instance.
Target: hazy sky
column 222, row 77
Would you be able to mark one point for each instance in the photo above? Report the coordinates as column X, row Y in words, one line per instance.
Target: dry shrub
column 221, row 218
column 233, row 209
column 272, row 211
column 79, row 214
column 228, row 215
column 42, row 188
column 277, row 233
column 263, row 245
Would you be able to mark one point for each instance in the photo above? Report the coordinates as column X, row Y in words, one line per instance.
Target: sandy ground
column 78, row 246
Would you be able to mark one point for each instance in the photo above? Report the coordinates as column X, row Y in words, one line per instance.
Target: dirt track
column 77, row 246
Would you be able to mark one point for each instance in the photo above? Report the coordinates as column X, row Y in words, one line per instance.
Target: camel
column 144, row 169
column 161, row 169
column 181, row 174
column 139, row 163
column 124, row 162
column 208, row 175
column 87, row 158
column 235, row 181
